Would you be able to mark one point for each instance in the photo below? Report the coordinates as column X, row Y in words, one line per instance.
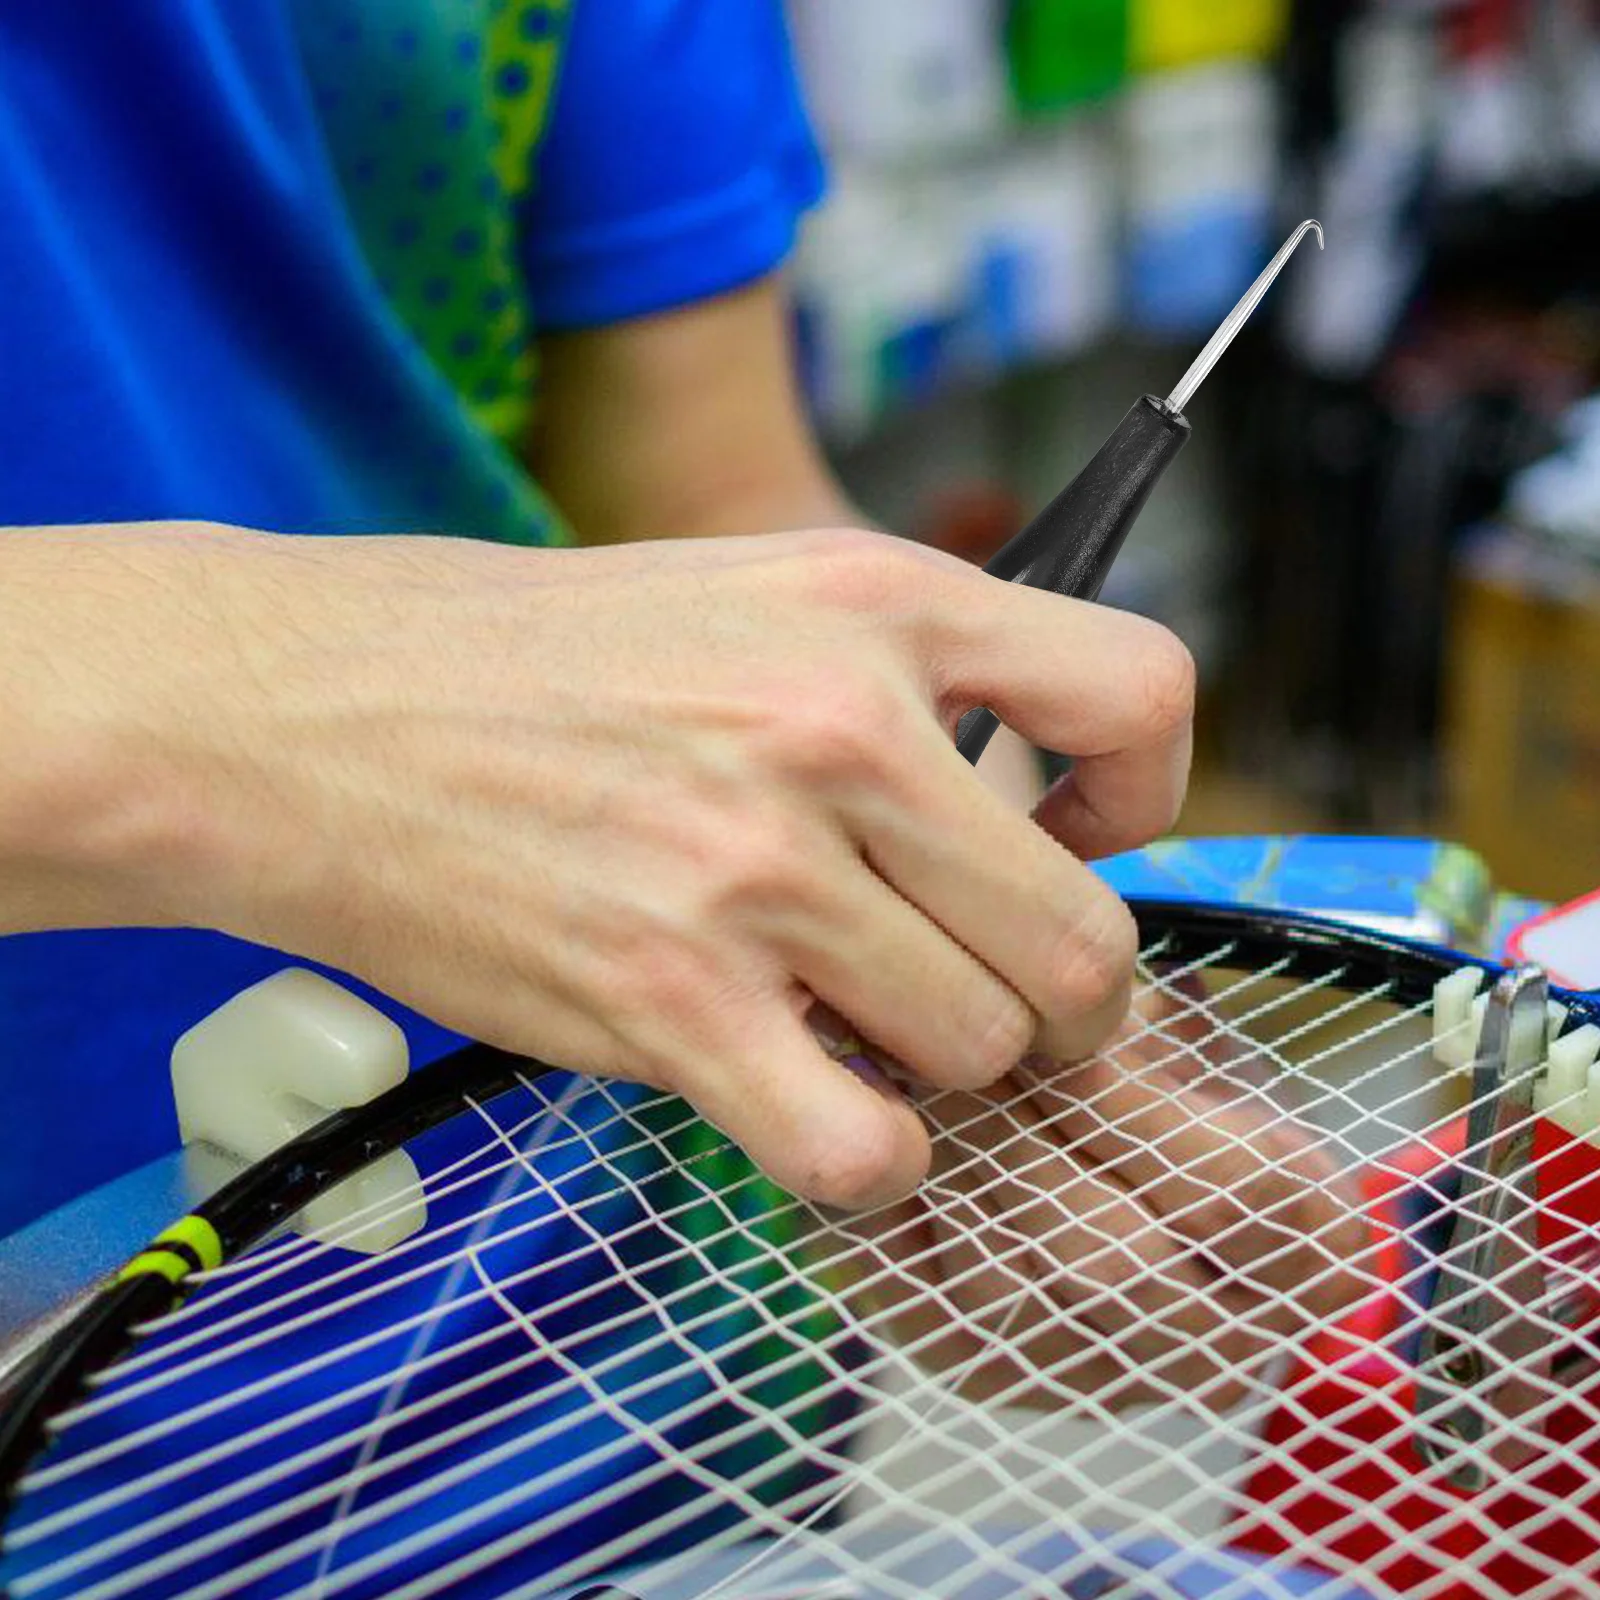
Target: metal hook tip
column 1184, row 390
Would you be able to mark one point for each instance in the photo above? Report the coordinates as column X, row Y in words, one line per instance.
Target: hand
column 1147, row 1222
column 624, row 809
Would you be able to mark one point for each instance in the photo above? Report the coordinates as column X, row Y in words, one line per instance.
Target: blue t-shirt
column 280, row 265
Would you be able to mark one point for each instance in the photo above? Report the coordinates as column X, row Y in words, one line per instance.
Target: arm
column 683, row 424
column 93, row 829
column 689, row 423
column 624, row 809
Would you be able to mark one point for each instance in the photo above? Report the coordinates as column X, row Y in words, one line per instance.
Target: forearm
column 104, row 653
column 681, row 424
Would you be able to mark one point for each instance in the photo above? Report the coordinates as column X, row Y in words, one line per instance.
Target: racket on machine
column 1289, row 1292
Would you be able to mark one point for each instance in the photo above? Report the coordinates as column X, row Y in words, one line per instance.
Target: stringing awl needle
column 1070, row 546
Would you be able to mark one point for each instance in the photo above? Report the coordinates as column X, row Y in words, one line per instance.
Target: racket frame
column 267, row 1196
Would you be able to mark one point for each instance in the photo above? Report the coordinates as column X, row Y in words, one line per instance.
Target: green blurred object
column 1063, row 52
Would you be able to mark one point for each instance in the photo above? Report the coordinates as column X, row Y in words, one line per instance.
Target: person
column 329, row 327
column 447, row 285
column 621, row 808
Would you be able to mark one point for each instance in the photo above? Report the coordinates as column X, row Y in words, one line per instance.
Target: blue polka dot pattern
column 433, row 114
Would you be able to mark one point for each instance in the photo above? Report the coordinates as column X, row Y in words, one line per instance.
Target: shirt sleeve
column 678, row 161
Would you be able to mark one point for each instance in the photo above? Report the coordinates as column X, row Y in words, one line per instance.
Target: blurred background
column 1383, row 541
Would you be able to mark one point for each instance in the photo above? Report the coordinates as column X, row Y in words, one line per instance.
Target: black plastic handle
column 1070, row 546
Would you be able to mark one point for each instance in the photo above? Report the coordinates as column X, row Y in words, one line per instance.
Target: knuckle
column 843, row 726
column 862, row 571
column 662, row 978
column 854, row 1165
column 758, row 862
column 657, row 984
column 1000, row 1041
column 1095, row 962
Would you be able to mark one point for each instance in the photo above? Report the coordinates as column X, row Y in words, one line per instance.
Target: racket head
column 729, row 1305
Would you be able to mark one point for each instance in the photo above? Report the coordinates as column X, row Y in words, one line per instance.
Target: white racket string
column 97, row 1591
column 269, row 1260
column 942, row 1400
column 45, row 1476
column 291, row 1251
column 271, row 1312
column 361, row 1266
column 867, row 1471
column 292, row 1463
column 909, row 1549
column 459, row 1570
column 329, row 1448
column 274, row 1308
column 540, row 1136
column 1035, row 1285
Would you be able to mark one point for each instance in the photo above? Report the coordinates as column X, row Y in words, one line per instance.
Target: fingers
column 1113, row 1289
column 837, row 1136
column 907, row 986
column 1001, row 888
column 1112, row 690
column 1230, row 1174
column 1118, row 801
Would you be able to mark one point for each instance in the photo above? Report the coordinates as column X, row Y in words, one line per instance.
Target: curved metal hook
column 1183, row 392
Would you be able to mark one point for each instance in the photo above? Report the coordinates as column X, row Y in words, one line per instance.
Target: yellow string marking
column 163, row 1263
column 200, row 1237
column 194, row 1234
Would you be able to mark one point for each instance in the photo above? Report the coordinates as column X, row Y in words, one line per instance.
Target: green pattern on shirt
column 434, row 111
